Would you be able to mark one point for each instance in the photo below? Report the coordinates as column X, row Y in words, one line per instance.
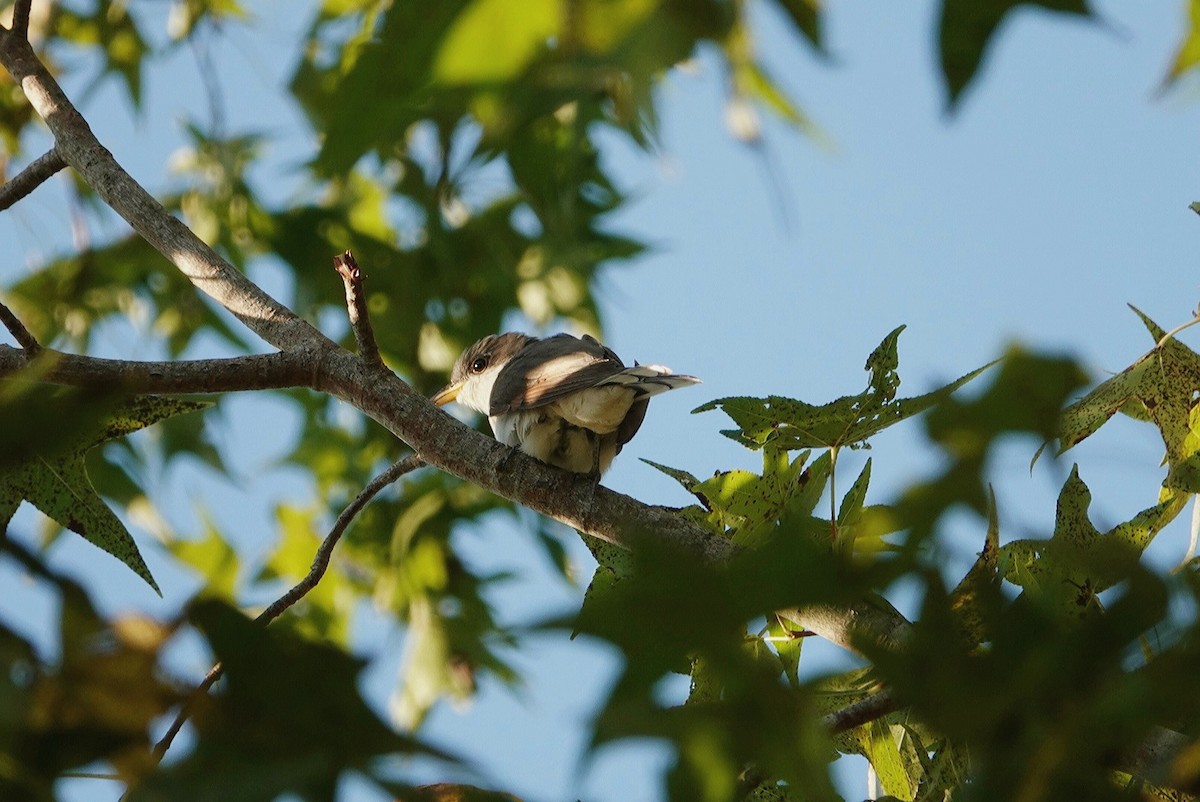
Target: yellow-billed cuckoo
column 569, row 401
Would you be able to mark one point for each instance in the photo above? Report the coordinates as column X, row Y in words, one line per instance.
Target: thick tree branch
column 255, row 372
column 18, row 331
column 32, row 177
column 77, row 145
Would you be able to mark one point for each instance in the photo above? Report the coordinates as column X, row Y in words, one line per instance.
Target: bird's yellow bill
column 447, row 394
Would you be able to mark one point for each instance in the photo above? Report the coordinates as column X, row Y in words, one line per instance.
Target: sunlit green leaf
column 1187, row 55
column 494, row 40
column 1078, row 562
column 214, row 559
column 1162, row 384
column 883, row 750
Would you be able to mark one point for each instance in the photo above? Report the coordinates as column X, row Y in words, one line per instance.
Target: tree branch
column 438, row 438
column 573, row 499
column 356, row 307
column 254, row 372
column 861, row 712
column 20, row 20
column 78, row 146
column 33, row 176
column 298, row 591
column 21, row 334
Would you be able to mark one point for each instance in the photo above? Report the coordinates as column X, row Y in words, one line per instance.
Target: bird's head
column 475, row 372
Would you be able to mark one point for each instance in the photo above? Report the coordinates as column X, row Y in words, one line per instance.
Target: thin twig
column 319, row 565
column 33, row 176
column 861, row 712
column 356, row 307
column 18, row 331
column 20, row 20
column 325, row 551
column 185, row 711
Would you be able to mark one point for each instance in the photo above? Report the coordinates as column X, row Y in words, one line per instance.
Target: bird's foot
column 506, row 456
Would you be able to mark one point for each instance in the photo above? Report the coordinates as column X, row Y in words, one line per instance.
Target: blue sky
column 1055, row 194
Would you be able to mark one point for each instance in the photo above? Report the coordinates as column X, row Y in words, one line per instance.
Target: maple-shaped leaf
column 1078, row 561
column 1160, row 387
column 48, row 470
column 848, row 421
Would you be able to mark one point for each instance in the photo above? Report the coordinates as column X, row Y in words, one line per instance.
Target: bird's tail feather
column 649, row 380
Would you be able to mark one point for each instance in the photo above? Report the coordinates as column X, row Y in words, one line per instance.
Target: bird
column 565, row 400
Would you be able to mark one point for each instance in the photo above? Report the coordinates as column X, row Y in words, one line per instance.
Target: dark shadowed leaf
column 56, row 481
column 848, row 421
column 967, row 29
column 275, row 682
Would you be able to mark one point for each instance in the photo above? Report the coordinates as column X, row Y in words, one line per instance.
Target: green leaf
column 68, row 296
column 96, row 702
column 1187, row 55
column 966, row 598
column 967, row 28
column 493, row 41
column 113, row 29
column 788, row 645
column 883, row 750
column 851, row 508
column 683, row 477
column 213, row 558
column 237, row 756
column 806, row 16
column 187, row 15
column 1160, row 386
column 751, row 504
column 1078, row 562
column 1025, row 397
column 835, row 692
column 849, row 421
column 55, row 481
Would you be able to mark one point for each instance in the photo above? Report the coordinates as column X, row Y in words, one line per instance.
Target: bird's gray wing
column 546, row 370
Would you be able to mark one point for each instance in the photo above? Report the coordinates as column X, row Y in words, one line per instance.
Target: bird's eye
column 479, row 365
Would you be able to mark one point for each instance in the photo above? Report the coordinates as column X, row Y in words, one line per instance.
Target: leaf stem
column 1170, row 334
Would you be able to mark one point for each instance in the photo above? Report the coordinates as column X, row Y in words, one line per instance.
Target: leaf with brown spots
column 847, row 421
column 1160, row 387
column 1078, row 561
column 55, row 480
